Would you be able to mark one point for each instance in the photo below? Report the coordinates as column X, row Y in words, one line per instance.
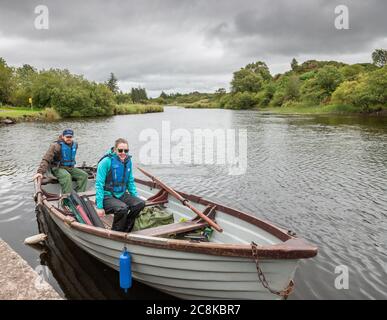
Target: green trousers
column 65, row 177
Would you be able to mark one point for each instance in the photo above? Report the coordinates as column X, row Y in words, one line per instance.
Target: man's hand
column 101, row 213
column 36, row 176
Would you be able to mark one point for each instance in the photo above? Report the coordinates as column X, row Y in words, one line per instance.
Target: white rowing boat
column 229, row 266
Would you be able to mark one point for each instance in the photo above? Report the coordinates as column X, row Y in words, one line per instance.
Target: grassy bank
column 137, row 108
column 325, row 109
column 26, row 114
column 17, row 114
column 204, row 103
column 301, row 108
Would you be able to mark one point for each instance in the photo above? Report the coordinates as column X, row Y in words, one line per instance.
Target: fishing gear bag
column 151, row 217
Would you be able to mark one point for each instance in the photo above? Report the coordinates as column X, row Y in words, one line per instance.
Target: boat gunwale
column 291, row 247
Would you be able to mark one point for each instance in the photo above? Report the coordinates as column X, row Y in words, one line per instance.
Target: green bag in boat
column 151, row 217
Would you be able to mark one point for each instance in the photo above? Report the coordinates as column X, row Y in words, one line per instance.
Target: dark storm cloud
column 298, row 26
column 185, row 45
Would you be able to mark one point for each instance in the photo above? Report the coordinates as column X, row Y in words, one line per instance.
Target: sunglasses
column 68, row 137
column 123, row 150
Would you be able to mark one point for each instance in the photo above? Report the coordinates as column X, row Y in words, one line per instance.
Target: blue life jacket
column 118, row 176
column 68, row 154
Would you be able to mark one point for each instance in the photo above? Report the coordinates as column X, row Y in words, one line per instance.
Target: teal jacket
column 102, row 171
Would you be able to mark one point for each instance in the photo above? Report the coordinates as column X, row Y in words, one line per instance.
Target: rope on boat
column 283, row 293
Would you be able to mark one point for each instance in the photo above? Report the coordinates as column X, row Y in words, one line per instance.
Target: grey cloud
column 183, row 45
column 293, row 27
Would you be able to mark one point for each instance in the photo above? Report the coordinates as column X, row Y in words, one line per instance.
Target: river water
column 324, row 177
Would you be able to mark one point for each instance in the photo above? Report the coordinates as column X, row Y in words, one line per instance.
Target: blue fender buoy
column 125, row 270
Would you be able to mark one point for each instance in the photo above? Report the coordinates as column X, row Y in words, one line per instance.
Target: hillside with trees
column 360, row 87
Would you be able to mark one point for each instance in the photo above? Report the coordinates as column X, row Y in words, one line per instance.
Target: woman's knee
column 138, row 205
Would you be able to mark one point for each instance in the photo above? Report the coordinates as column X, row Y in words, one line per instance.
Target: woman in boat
column 60, row 158
column 115, row 188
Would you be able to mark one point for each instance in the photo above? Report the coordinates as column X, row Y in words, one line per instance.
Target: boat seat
column 166, row 230
column 169, row 229
column 56, row 197
column 179, row 227
column 174, row 228
column 86, row 194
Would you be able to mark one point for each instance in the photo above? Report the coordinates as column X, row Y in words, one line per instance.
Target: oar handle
column 204, row 217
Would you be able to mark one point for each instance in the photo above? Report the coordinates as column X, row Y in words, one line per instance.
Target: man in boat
column 115, row 188
column 60, row 158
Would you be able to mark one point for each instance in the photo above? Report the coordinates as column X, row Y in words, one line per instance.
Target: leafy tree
column 368, row 91
column 139, row 95
column 292, row 89
column 240, row 100
column 24, row 79
column 351, row 72
column 294, row 64
column 219, row 93
column 163, row 95
column 250, row 78
column 103, row 99
column 265, row 96
column 311, row 65
column 319, row 88
column 123, row 97
column 112, row 83
column 379, row 57
column 6, row 82
column 307, row 75
column 328, row 78
column 46, row 82
column 261, row 68
column 72, row 101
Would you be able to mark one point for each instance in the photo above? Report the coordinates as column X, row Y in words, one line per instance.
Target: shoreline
column 13, row 115
column 336, row 110
column 302, row 111
column 10, row 116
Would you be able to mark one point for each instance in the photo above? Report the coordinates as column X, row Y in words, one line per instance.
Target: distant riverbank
column 334, row 109
column 328, row 109
column 20, row 114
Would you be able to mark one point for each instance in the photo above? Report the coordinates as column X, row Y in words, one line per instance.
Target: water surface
column 324, row 177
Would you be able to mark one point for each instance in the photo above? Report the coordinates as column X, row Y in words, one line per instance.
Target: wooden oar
column 183, row 200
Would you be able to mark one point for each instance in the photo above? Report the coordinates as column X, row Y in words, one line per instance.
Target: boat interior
column 183, row 227
column 238, row 228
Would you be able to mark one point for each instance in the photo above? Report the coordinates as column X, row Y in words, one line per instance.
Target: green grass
column 324, row 109
column 129, row 108
column 17, row 113
column 204, row 103
column 49, row 114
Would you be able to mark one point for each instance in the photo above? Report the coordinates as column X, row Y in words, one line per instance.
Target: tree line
column 68, row 94
column 360, row 85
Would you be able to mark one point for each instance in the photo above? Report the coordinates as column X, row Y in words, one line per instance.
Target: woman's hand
column 36, row 176
column 101, row 213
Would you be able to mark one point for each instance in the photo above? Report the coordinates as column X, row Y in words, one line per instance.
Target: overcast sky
column 186, row 45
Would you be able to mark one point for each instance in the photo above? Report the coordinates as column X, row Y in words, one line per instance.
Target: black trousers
column 125, row 210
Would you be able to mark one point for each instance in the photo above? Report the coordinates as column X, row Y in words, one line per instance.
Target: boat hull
column 188, row 275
